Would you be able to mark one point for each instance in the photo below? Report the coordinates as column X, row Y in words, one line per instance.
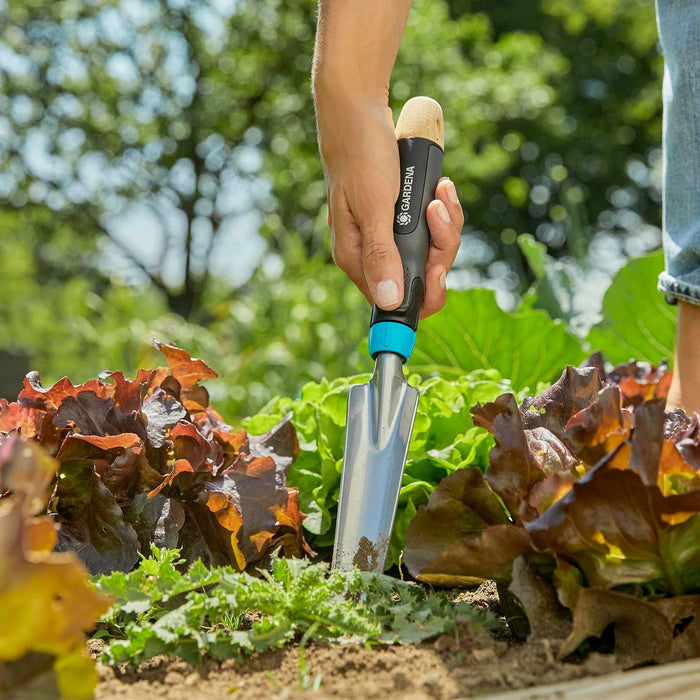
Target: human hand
column 361, row 164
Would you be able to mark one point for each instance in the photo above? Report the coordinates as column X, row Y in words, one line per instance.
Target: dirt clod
column 367, row 555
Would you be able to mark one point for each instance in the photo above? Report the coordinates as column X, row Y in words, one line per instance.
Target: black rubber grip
column 421, row 166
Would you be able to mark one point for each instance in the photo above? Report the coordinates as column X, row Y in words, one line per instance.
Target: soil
column 469, row 663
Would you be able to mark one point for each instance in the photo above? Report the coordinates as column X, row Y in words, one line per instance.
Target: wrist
column 356, row 47
column 337, row 87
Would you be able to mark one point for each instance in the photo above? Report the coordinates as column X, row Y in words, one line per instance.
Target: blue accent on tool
column 390, row 336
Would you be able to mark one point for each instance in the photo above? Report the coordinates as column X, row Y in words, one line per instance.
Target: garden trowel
column 381, row 413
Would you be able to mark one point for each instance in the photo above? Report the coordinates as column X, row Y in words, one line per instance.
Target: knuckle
column 377, row 252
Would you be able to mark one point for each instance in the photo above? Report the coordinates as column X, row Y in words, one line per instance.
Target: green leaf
column 472, row 332
column 553, row 290
column 535, row 253
column 637, row 322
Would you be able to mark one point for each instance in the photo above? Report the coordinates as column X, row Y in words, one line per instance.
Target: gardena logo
column 403, row 217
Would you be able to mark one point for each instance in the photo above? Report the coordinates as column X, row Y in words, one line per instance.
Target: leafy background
column 160, row 178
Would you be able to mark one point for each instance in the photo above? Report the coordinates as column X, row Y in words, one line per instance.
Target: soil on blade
column 467, row 663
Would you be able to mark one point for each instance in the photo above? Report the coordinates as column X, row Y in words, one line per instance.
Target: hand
column 361, row 164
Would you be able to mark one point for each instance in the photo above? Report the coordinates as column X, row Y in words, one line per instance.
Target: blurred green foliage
column 590, row 160
column 147, row 140
column 277, row 335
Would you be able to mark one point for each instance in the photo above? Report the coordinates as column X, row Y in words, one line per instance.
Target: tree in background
column 162, row 105
column 151, row 140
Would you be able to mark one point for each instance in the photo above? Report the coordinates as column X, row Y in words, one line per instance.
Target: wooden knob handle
column 421, row 116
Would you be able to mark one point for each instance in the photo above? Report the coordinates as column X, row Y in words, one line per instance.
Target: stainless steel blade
column 379, row 423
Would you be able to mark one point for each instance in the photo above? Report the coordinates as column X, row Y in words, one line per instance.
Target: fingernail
column 386, row 293
column 442, row 212
column 452, row 193
column 443, row 278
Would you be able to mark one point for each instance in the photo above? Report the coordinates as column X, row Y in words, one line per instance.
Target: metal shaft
column 379, row 424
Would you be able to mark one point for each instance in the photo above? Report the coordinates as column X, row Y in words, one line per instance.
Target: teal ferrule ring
column 390, row 336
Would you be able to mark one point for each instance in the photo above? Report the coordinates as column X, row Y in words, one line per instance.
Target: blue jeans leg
column 679, row 30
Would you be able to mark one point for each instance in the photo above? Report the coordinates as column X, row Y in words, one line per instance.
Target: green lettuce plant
column 444, row 438
column 473, row 332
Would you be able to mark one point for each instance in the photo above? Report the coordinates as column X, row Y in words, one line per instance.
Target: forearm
column 356, row 46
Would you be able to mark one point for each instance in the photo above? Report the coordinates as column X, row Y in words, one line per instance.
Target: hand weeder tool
column 381, row 413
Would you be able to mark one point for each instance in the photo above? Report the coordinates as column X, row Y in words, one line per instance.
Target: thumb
column 381, row 258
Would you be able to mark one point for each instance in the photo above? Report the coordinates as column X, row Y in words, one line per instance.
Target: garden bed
column 467, row 663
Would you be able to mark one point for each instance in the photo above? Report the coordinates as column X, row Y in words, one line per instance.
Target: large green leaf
column 637, row 322
column 473, row 332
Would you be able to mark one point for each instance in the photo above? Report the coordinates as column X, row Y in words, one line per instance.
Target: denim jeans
column 679, row 30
